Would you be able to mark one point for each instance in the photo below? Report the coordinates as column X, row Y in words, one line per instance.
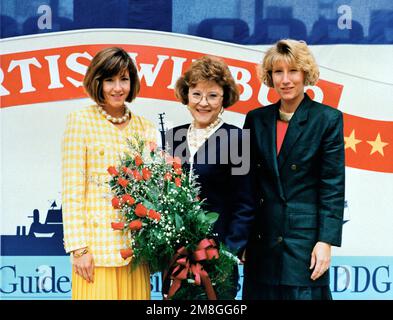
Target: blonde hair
column 295, row 53
column 208, row 68
column 107, row 63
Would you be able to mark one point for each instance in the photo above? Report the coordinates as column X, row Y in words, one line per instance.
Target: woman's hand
column 320, row 259
column 84, row 265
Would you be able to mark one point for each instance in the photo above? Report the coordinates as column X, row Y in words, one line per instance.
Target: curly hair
column 208, row 68
column 293, row 52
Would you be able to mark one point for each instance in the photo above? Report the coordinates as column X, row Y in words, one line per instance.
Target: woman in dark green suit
column 297, row 153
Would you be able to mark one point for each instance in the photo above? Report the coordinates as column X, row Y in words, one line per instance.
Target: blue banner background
column 48, row 277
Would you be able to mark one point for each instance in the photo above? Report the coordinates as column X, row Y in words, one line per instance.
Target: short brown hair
column 208, row 68
column 294, row 53
column 107, row 63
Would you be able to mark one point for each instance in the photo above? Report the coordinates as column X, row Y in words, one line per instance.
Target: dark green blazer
column 300, row 192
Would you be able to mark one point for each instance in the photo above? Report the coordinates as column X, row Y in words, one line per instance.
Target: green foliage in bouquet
column 161, row 212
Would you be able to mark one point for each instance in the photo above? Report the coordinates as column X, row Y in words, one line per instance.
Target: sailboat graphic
column 53, row 223
column 43, row 238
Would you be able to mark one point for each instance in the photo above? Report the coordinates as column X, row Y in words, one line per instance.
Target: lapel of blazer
column 269, row 121
column 270, row 135
column 295, row 128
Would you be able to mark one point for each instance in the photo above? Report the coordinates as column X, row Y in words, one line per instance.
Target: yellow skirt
column 113, row 283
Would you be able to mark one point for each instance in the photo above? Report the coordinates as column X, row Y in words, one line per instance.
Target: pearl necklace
column 127, row 115
column 196, row 137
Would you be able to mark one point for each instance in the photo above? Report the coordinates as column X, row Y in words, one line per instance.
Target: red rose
column 135, row 224
column 137, row 175
column 168, row 176
column 117, row 225
column 116, row 203
column 146, row 173
column 157, row 216
column 154, row 215
column 127, row 171
column 152, row 146
column 178, row 182
column 140, row 210
column 112, row 171
column 178, row 171
column 151, row 213
column 126, row 253
column 122, row 182
column 138, row 160
column 128, row 199
column 176, row 165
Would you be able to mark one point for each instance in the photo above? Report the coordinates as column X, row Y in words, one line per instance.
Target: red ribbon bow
column 187, row 263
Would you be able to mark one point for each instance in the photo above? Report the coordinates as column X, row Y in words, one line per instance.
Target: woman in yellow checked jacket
column 93, row 140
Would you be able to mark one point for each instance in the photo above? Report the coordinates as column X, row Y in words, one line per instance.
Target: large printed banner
column 41, row 82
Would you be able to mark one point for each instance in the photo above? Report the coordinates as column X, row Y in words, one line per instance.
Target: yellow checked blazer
column 90, row 145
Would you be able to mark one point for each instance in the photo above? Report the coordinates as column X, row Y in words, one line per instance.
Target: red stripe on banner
column 57, row 74
column 368, row 143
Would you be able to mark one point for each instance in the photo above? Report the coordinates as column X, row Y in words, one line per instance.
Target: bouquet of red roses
column 161, row 212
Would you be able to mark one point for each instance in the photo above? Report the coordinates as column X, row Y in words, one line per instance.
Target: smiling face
column 288, row 81
column 116, row 90
column 205, row 102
